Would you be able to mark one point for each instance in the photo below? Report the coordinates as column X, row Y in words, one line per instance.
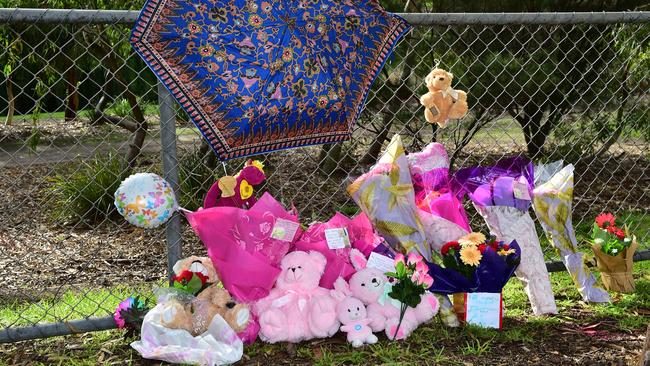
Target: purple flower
column 126, row 304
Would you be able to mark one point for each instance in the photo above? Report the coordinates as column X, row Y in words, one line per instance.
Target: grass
column 120, row 108
column 72, row 304
column 429, row 344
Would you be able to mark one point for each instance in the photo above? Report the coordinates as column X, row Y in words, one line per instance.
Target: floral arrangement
column 130, row 313
column 190, row 282
column 474, row 264
column 465, row 254
column 411, row 281
column 612, row 239
column 614, row 250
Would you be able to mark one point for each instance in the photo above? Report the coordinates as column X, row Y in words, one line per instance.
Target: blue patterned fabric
column 257, row 76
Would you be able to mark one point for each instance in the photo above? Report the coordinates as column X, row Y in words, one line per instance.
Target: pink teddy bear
column 352, row 314
column 371, row 286
column 298, row 309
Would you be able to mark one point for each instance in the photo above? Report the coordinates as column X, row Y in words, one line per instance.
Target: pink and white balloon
column 145, row 200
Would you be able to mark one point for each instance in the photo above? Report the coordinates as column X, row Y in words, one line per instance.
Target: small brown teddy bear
column 195, row 315
column 197, row 264
column 215, row 300
column 442, row 103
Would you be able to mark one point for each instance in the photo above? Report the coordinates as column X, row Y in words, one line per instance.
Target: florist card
column 484, row 309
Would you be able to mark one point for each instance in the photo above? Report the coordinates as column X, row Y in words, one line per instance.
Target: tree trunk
column 72, row 103
column 331, row 158
column 374, row 150
column 11, row 108
column 535, row 133
column 141, row 124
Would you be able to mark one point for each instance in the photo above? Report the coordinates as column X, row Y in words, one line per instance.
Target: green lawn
column 578, row 328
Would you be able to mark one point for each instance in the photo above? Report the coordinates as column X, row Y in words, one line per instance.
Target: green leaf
column 400, row 269
column 195, row 285
column 7, row 70
column 394, row 229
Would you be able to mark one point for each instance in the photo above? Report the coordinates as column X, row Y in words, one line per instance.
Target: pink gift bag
column 246, row 246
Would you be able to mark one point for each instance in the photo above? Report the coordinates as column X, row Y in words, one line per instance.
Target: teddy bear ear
column 450, row 76
column 181, row 263
column 319, row 259
column 427, row 79
column 358, row 259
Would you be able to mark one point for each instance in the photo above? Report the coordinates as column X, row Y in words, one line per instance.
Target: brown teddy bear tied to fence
column 442, row 103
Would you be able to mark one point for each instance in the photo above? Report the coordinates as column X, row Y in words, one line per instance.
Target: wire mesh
column 80, row 112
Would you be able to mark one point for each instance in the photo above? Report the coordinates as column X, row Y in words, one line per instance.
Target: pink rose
column 399, row 258
column 422, row 268
column 414, row 258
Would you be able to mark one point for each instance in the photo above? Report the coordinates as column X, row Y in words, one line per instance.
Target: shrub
column 85, row 196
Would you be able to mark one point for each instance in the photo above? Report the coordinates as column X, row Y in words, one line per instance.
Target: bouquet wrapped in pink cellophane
column 246, row 246
column 442, row 214
column 360, row 235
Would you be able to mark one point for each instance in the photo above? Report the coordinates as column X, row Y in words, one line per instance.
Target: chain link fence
column 79, row 111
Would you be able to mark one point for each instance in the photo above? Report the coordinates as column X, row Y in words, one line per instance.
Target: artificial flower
column 605, row 220
column 482, row 248
column 470, row 255
column 124, row 305
column 422, row 267
column 414, row 258
column 620, row 234
column 445, row 248
column 472, row 239
column 130, row 313
column 494, row 245
column 422, row 279
column 504, row 252
column 245, row 189
column 183, row 277
column 399, row 257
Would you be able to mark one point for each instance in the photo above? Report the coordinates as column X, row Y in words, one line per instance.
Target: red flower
column 183, row 277
column 481, row 248
column 611, row 229
column 494, row 245
column 445, row 248
column 506, row 247
column 620, row 234
column 605, row 220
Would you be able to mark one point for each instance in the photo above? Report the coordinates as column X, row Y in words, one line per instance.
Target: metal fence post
column 170, row 172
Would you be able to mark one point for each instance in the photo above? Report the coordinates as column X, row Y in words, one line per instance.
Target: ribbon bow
column 388, row 287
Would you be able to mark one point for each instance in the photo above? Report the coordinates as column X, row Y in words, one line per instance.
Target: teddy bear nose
column 442, row 79
column 293, row 269
column 230, row 304
column 374, row 280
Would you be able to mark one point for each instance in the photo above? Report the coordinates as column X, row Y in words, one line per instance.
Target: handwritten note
column 337, row 238
column 284, row 230
column 483, row 309
column 381, row 262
